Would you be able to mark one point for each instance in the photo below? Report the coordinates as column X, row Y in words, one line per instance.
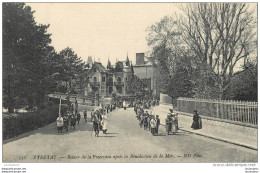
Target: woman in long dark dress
column 96, row 124
column 73, row 121
column 196, row 118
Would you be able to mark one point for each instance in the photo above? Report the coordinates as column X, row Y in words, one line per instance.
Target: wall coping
column 216, row 119
column 221, row 120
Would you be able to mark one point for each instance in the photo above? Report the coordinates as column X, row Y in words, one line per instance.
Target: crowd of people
column 171, row 123
column 70, row 118
column 98, row 117
column 148, row 122
column 152, row 122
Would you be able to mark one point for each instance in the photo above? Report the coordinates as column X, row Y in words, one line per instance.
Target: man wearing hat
column 168, row 123
column 157, row 124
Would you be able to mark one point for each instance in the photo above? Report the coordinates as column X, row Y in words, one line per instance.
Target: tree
column 73, row 70
column 244, row 83
column 25, row 52
column 135, row 85
column 221, row 34
column 182, row 81
column 164, row 38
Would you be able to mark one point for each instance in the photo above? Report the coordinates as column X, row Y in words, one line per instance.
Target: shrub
column 18, row 123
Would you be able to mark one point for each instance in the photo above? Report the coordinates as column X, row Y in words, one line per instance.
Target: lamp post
column 60, row 106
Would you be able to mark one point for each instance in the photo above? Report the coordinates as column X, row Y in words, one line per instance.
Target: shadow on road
column 160, row 135
column 112, row 133
column 107, row 136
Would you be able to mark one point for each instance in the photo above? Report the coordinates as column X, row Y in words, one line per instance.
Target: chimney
column 89, row 61
column 139, row 58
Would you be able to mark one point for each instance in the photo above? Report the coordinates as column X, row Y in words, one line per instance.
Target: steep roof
column 100, row 66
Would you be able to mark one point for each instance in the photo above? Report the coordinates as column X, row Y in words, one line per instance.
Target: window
column 103, row 79
column 119, row 79
column 94, row 69
column 119, row 89
column 126, row 78
column 95, row 79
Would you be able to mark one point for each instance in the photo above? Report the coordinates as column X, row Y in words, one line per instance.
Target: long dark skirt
column 195, row 124
column 153, row 130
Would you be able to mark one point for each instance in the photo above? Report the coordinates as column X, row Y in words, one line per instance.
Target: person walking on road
column 66, row 122
column 60, row 123
column 174, row 124
column 148, row 122
column 168, row 123
column 78, row 117
column 157, row 124
column 96, row 122
column 145, row 121
column 111, row 108
column 177, row 120
column 73, row 121
column 85, row 115
column 104, row 123
column 124, row 105
column 153, row 125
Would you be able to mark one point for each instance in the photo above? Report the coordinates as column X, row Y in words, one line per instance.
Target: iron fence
column 241, row 111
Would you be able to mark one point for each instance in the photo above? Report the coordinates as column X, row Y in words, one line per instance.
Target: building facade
column 106, row 81
column 146, row 70
column 110, row 80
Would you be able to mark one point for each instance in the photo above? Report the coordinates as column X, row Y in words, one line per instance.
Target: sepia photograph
column 115, row 82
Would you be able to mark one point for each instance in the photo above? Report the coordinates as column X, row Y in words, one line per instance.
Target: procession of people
column 146, row 121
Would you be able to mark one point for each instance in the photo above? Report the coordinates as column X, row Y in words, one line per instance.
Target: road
column 125, row 141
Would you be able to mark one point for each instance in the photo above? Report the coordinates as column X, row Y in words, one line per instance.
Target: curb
column 220, row 139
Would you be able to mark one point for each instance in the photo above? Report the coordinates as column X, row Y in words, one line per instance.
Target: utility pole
column 60, row 106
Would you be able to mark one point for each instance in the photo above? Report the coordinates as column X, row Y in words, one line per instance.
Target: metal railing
column 241, row 111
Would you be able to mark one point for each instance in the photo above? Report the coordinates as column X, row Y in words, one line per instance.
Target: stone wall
column 242, row 134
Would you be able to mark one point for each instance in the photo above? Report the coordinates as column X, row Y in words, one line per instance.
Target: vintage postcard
column 130, row 83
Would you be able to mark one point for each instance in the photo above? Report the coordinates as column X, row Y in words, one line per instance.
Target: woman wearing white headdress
column 104, row 123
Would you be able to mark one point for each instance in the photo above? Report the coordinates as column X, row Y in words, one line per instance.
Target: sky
column 101, row 30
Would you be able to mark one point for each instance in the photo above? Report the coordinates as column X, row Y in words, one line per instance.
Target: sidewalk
column 219, row 130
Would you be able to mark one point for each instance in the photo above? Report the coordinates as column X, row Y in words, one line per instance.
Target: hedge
column 18, row 123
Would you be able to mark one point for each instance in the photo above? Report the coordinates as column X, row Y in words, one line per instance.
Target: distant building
column 115, row 79
column 146, row 70
column 107, row 81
